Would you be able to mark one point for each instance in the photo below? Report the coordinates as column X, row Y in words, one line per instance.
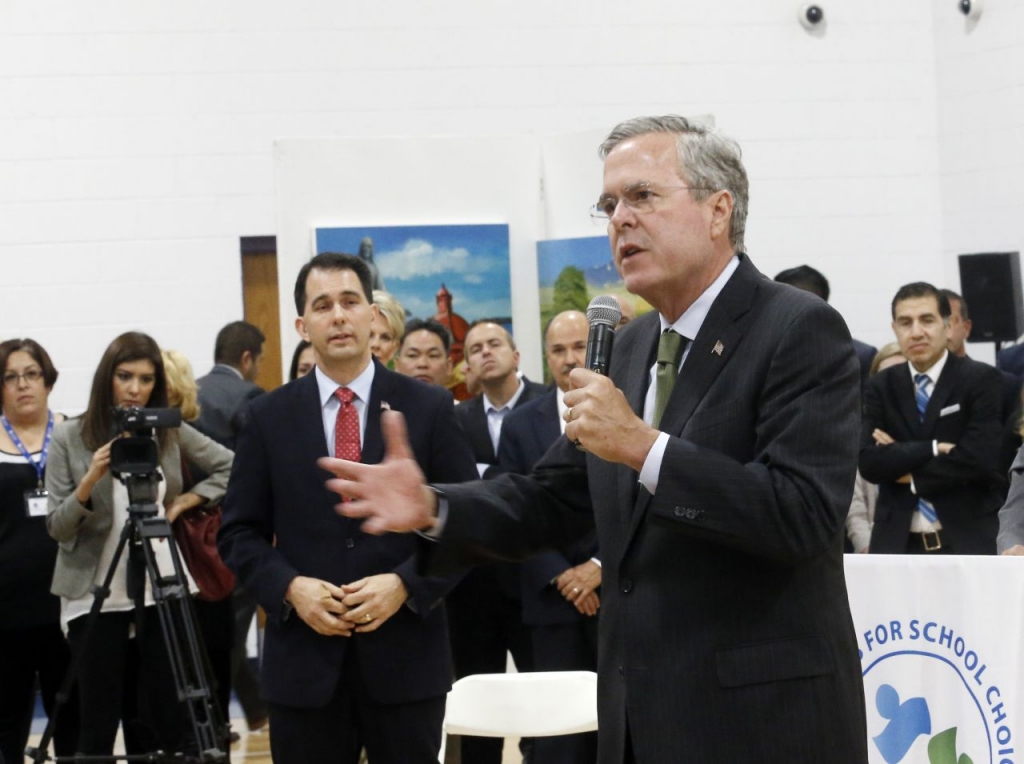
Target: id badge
column 36, row 503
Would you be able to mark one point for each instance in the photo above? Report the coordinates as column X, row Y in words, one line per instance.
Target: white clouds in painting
column 419, row 258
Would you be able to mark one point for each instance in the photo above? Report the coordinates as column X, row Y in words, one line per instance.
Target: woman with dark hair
column 303, row 360
column 125, row 675
column 31, row 642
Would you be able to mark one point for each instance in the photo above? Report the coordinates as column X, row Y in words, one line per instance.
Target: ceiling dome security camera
column 810, row 16
column 971, row 8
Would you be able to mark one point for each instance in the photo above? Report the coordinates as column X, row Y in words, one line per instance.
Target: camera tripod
column 177, row 625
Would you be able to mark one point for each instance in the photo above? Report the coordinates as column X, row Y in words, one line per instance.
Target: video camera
column 134, row 457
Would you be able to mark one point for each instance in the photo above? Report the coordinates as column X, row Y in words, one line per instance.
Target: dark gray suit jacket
column 526, row 435
column 725, row 627
column 223, row 396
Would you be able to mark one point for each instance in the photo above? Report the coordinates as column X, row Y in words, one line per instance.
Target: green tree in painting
column 570, row 291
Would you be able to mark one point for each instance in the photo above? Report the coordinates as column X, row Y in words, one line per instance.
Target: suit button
column 622, row 671
column 627, row 585
column 349, row 543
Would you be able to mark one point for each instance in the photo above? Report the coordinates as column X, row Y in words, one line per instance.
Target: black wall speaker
column 990, row 283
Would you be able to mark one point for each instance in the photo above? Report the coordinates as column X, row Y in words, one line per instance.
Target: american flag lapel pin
column 718, row 348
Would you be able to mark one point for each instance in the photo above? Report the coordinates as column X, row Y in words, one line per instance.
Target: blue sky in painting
column 471, row 260
column 589, row 253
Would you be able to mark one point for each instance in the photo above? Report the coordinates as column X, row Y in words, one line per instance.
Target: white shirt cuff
column 652, row 464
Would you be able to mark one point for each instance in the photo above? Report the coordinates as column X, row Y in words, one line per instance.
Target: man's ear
column 721, row 214
column 300, row 328
column 967, row 326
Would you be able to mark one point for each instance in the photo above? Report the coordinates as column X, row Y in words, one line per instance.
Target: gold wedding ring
column 367, row 617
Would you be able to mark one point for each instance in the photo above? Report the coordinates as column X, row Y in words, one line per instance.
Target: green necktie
column 670, row 349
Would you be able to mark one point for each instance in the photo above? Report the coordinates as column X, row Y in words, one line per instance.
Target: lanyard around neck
column 41, row 464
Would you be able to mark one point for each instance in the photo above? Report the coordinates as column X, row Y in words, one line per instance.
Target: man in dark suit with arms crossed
column 725, row 627
column 931, row 438
column 356, row 643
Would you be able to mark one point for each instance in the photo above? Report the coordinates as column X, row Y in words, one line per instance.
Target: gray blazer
column 223, row 399
column 81, row 531
column 1011, row 516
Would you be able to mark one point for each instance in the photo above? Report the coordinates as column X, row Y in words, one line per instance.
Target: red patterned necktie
column 346, row 427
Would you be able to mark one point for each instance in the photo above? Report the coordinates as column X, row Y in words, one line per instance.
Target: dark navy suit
column 280, row 522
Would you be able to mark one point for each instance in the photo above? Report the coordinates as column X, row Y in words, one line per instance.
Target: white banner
column 942, row 653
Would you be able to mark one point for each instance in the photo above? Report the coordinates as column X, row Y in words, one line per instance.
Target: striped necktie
column 922, row 395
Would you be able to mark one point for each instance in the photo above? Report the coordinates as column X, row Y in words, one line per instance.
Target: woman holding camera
column 31, row 642
column 125, row 675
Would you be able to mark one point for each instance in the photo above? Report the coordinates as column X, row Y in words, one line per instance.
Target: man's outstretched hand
column 390, row 496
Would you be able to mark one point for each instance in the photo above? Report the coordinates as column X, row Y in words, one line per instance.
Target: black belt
column 931, row 541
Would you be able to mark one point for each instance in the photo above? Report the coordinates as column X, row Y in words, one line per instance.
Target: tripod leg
column 187, row 658
column 78, row 652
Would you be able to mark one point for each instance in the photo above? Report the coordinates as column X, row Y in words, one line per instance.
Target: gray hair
column 708, row 161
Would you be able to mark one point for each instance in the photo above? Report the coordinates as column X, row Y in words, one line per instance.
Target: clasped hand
column 578, row 586
column 338, row 611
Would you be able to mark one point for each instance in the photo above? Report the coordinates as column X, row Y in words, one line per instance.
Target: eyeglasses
column 641, row 198
column 31, row 376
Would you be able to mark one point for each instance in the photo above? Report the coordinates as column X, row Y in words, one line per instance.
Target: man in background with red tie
column 356, row 641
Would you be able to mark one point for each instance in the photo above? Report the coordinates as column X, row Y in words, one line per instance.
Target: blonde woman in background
column 388, row 327
column 214, row 619
column 865, row 494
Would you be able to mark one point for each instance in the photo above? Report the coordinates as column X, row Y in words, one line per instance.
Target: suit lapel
column 309, row 410
column 479, row 433
column 381, row 393
column 906, row 399
column 547, row 418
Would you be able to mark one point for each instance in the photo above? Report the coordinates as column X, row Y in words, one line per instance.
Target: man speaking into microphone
column 719, row 456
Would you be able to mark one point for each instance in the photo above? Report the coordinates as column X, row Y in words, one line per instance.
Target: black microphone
column 603, row 315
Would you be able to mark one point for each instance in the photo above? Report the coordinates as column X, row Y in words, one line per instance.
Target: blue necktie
column 921, row 383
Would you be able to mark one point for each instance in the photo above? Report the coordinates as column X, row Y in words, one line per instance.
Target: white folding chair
column 534, row 704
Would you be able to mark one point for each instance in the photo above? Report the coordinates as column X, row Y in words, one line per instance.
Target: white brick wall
column 137, row 135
